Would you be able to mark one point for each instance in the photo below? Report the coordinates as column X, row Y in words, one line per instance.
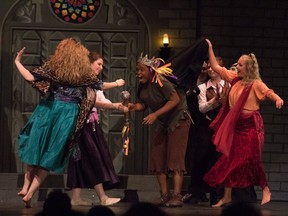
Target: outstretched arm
column 117, row 83
column 105, row 105
column 23, row 71
column 278, row 101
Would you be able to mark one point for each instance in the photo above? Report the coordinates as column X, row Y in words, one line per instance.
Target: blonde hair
column 220, row 61
column 70, row 62
column 252, row 68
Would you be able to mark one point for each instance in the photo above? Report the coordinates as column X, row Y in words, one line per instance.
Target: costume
column 170, row 138
column 186, row 66
column 44, row 139
column 95, row 165
column 239, row 135
column 205, row 154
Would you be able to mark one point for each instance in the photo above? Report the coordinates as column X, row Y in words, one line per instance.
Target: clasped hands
column 221, row 96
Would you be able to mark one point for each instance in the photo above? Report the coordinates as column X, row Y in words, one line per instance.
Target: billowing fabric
column 42, row 141
column 243, row 167
column 45, row 139
column 187, row 64
column 95, row 165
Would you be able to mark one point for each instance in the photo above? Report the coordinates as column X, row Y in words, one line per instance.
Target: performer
column 67, row 80
column 212, row 94
column 95, row 166
column 187, row 65
column 239, row 132
column 169, row 107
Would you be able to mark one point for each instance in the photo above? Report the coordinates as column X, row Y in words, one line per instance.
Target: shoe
column 80, row 203
column 161, row 201
column 175, row 201
column 203, row 198
column 110, row 201
column 187, row 197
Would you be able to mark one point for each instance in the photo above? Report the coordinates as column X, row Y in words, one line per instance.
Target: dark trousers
column 247, row 195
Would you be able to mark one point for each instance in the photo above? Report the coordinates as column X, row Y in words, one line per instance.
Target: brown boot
column 161, row 201
column 175, row 201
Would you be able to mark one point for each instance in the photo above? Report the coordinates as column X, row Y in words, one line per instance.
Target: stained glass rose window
column 75, row 11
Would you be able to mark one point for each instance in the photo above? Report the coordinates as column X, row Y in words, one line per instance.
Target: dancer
column 95, row 166
column 66, row 79
column 239, row 132
column 169, row 107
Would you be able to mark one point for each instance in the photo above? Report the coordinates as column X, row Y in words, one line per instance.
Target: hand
column 224, row 92
column 150, row 119
column 19, row 55
column 221, row 96
column 120, row 82
column 131, row 106
column 209, row 42
column 121, row 107
column 279, row 103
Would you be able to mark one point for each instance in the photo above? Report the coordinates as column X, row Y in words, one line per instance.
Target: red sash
column 225, row 122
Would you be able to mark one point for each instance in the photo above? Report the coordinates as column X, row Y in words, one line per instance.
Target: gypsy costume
column 95, row 165
column 44, row 140
column 239, row 135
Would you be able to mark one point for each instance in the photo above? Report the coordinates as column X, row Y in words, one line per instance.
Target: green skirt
column 43, row 140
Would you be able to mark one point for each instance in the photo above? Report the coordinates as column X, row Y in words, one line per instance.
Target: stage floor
column 203, row 209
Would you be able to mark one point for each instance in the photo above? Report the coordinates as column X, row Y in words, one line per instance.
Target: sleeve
column 37, row 77
column 263, row 92
column 166, row 89
column 98, row 85
column 40, row 82
column 204, row 105
column 227, row 75
column 101, row 97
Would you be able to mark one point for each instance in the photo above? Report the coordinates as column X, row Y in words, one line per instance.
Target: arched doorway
column 115, row 28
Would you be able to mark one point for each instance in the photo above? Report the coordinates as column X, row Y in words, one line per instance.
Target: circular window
column 75, row 11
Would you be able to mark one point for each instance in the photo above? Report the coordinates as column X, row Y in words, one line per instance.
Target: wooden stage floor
column 271, row 209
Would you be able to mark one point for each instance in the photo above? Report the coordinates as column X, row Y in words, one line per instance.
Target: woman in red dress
column 239, row 131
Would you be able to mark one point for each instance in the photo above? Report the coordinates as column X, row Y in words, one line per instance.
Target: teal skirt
column 43, row 140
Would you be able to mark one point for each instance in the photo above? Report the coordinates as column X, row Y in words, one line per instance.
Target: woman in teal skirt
column 65, row 81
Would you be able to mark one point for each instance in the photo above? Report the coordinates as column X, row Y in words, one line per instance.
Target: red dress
column 239, row 136
column 243, row 167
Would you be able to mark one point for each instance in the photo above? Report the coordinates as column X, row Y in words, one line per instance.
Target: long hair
column 252, row 68
column 70, row 62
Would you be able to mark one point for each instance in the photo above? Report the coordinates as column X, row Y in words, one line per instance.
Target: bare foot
column 266, row 196
column 27, row 202
column 22, row 193
column 221, row 203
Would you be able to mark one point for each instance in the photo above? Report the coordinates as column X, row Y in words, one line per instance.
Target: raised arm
column 212, row 59
column 23, row 71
